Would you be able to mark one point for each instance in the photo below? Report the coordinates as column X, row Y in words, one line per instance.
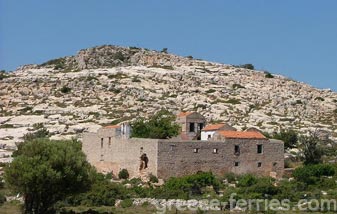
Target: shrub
column 119, row 56
column 236, row 86
column 268, row 75
column 310, row 174
column 123, row 174
column 209, row 91
column 135, row 79
column 247, row 180
column 153, row 179
column 126, row 203
column 247, row 66
column 65, row 89
column 319, row 99
column 164, row 50
column 3, row 74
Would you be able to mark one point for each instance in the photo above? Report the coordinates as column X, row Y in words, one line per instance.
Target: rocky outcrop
column 108, row 84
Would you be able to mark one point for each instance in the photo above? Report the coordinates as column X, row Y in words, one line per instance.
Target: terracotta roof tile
column 242, row 135
column 213, row 127
column 184, row 114
column 113, row 126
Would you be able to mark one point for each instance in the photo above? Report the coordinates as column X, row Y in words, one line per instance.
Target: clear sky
column 295, row 38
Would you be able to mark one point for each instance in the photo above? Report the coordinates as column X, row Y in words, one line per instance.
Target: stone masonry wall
column 121, row 153
column 183, row 158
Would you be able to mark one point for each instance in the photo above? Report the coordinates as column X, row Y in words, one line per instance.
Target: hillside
column 109, row 84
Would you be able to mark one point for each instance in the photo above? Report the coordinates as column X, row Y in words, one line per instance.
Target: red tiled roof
column 113, row 126
column 242, row 135
column 213, row 127
column 184, row 114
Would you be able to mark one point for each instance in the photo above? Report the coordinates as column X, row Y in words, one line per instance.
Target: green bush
column 268, row 75
column 247, row 180
column 211, row 90
column 65, row 89
column 164, row 50
column 123, row 174
column 119, row 56
column 247, row 66
column 153, row 179
column 236, row 86
column 310, row 174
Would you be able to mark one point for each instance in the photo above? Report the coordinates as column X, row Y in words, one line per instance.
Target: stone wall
column 121, row 153
column 182, row 158
column 169, row 158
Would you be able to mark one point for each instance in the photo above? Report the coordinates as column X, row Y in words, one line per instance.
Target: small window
column 236, row 163
column 172, row 147
column 215, row 151
column 109, row 141
column 209, row 136
column 101, row 142
column 201, row 126
column 259, row 164
column 275, row 164
column 237, row 150
column 259, row 149
column 196, row 150
column 191, row 127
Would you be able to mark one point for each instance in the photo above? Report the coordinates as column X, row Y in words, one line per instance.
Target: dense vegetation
column 161, row 125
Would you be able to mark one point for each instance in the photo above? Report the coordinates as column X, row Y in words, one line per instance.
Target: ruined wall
column 182, row 158
column 121, row 153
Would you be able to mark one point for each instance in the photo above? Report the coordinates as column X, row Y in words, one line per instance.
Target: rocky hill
column 109, row 84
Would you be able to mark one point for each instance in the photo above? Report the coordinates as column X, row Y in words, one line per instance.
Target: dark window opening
column 236, row 163
column 196, row 150
column 215, row 151
column 209, row 137
column 275, row 164
column 260, row 149
column 144, row 160
column 259, row 164
column 172, row 147
column 237, row 150
column 109, row 141
column 201, row 126
column 101, row 142
column 191, row 127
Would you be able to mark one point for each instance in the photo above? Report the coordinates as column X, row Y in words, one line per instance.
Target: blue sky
column 297, row 39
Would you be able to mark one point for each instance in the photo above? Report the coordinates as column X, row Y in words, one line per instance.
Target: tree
column 162, row 125
column 311, row 149
column 289, row 137
column 47, row 171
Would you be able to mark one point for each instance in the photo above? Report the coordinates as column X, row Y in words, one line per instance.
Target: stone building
column 208, row 132
column 111, row 150
column 191, row 125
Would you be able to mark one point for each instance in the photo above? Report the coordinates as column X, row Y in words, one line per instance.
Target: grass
column 10, row 208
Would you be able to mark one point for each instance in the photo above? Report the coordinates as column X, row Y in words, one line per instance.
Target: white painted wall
column 204, row 134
